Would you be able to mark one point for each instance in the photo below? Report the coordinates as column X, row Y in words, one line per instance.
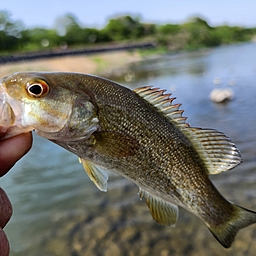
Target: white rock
column 220, row 95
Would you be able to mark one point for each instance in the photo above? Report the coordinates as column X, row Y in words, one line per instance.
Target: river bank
column 98, row 64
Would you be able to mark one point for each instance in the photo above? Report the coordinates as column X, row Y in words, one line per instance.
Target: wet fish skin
column 140, row 135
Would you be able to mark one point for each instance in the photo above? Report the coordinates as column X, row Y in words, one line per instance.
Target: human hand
column 11, row 150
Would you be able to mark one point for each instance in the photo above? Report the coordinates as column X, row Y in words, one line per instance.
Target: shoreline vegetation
column 69, row 36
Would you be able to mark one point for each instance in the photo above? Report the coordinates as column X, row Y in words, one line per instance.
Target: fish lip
column 7, row 116
column 8, row 126
column 3, row 124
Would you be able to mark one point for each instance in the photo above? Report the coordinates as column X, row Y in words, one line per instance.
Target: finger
column 4, row 244
column 11, row 150
column 5, row 208
column 5, row 214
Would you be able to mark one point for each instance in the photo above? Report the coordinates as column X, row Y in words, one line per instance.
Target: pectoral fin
column 115, row 144
column 163, row 212
column 96, row 174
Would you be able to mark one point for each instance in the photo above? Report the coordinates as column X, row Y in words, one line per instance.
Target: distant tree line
column 67, row 32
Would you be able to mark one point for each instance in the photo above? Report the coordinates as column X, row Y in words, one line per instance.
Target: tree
column 233, row 34
column 200, row 34
column 123, row 28
column 169, row 29
column 37, row 38
column 10, row 32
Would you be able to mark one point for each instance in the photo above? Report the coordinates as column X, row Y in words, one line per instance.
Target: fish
column 139, row 134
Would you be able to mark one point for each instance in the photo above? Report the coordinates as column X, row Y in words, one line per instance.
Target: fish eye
column 37, row 89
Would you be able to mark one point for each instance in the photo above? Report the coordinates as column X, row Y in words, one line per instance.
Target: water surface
column 58, row 211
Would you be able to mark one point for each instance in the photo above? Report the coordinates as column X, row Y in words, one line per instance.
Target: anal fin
column 96, row 174
column 163, row 212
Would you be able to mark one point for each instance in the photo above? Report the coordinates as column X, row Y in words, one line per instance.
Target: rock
column 221, row 95
column 217, row 81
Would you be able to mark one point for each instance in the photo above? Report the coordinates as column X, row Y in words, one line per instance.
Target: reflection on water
column 191, row 63
column 58, row 211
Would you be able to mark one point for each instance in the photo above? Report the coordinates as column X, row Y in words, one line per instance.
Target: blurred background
column 203, row 52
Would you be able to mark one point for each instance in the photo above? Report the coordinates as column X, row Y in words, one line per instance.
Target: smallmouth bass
column 138, row 134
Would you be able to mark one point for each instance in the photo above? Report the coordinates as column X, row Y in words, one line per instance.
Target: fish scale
column 141, row 135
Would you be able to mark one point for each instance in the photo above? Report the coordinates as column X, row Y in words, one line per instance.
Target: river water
column 58, row 211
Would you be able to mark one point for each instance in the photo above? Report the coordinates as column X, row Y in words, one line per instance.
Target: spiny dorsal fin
column 163, row 102
column 96, row 174
column 215, row 149
column 163, row 212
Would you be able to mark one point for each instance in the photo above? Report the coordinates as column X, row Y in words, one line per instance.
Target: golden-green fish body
column 139, row 134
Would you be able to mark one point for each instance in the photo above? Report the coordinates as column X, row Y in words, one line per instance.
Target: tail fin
column 226, row 233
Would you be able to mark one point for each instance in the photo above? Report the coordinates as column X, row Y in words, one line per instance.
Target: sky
column 96, row 13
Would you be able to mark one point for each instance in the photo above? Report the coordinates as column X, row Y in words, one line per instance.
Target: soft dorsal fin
column 215, row 148
column 96, row 174
column 163, row 212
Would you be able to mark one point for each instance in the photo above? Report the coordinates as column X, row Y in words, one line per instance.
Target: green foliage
column 200, row 34
column 10, row 32
column 124, row 28
column 38, row 38
column 233, row 34
column 68, row 32
column 169, row 29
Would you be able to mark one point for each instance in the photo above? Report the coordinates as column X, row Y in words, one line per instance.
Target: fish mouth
column 7, row 116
